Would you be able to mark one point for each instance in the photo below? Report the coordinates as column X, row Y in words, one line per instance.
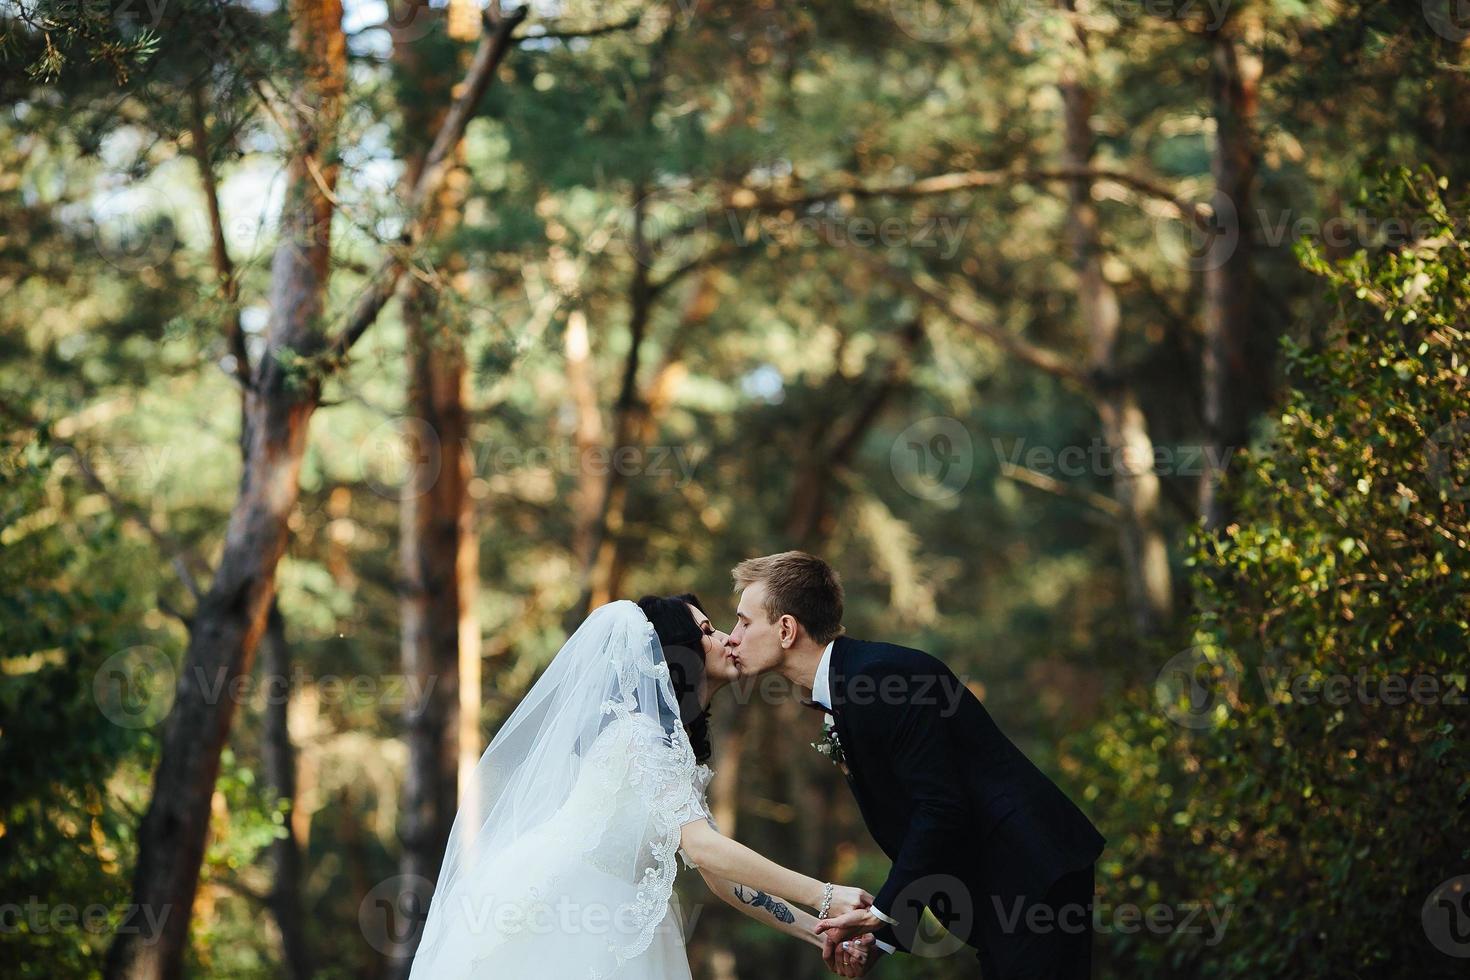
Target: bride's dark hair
column 680, row 635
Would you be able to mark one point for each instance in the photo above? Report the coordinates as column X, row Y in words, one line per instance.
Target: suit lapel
column 837, row 690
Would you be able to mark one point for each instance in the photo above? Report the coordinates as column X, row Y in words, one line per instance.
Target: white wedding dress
column 562, row 859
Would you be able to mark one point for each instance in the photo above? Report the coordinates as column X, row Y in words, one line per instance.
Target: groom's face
column 755, row 642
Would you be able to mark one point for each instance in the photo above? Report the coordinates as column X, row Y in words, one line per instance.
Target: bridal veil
column 561, row 860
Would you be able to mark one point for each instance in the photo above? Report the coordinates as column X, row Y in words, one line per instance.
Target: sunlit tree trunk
column 437, row 547
column 636, row 415
column 280, row 772
column 231, row 617
column 587, row 433
column 280, row 756
column 1238, row 350
column 1136, row 485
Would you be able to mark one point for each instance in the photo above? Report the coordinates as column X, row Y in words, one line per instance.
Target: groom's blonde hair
column 799, row 585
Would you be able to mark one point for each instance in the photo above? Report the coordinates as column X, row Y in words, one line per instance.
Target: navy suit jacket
column 970, row 823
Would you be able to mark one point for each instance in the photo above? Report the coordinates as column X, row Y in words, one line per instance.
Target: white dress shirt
column 822, row 694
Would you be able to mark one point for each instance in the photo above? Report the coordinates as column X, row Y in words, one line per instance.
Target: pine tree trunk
column 231, row 618
column 587, row 430
column 1136, row 485
column 437, row 547
column 1238, row 352
column 280, row 770
column 432, row 539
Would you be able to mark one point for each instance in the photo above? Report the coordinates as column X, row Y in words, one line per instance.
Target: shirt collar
column 821, row 684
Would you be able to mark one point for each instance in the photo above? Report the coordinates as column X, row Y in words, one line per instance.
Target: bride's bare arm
column 766, row 909
column 733, row 861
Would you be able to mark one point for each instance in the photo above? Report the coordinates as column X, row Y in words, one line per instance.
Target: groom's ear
column 788, row 627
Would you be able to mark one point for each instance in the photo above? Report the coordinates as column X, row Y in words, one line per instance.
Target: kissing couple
column 561, row 861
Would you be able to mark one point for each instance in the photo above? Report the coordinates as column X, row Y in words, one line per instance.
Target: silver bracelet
column 826, row 901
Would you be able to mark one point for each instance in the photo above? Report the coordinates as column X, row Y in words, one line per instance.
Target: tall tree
column 231, row 617
column 1135, row 483
column 1237, row 353
column 285, row 390
column 439, row 635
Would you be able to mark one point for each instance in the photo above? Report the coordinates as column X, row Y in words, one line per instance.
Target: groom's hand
column 850, row 957
column 849, row 924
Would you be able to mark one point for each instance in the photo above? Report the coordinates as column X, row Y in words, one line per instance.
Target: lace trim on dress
column 666, row 781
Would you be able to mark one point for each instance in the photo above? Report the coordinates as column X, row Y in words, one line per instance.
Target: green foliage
column 69, row 775
column 1318, row 790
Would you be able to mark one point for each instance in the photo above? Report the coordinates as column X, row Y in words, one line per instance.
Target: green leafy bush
column 1302, row 766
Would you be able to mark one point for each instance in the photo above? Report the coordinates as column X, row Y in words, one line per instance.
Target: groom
column 977, row 834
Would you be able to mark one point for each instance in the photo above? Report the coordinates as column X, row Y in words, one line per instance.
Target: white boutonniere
column 830, row 745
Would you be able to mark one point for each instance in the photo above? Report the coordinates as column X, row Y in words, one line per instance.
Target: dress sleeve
column 695, row 806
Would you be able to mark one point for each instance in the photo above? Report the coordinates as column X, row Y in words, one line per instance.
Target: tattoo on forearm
column 761, row 900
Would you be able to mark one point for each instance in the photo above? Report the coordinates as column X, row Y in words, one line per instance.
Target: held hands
column 850, row 957
column 844, row 955
column 846, row 898
column 850, row 923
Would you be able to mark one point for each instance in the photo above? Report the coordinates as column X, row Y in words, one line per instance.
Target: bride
column 561, row 860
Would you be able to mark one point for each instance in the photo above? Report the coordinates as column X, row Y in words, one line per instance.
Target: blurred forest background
column 1114, row 351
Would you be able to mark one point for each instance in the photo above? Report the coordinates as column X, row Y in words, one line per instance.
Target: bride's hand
column 846, row 898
